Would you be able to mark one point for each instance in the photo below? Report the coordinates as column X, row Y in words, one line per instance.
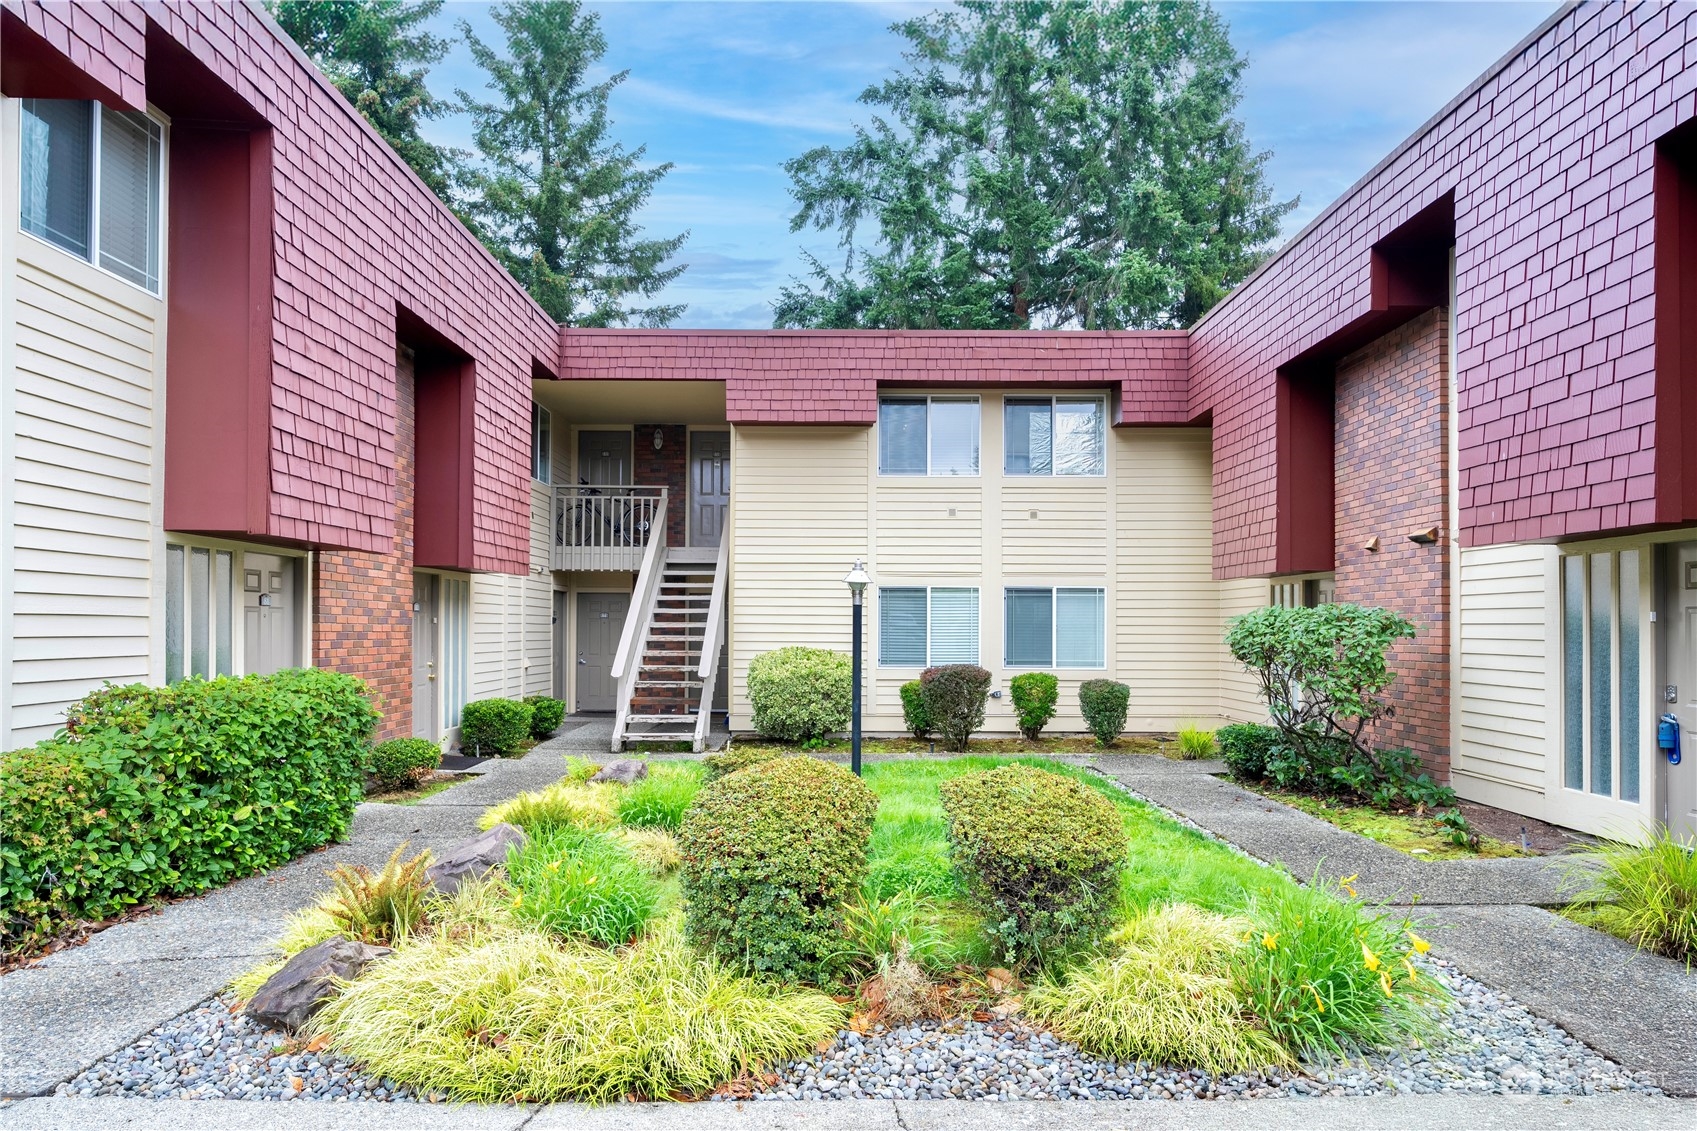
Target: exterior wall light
column 659, row 438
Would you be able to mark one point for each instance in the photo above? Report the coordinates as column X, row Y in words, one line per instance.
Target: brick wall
column 669, row 468
column 1391, row 421
column 362, row 602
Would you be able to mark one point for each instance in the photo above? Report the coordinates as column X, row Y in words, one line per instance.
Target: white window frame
column 930, row 461
column 1101, row 402
column 1584, row 796
column 93, row 256
column 541, row 444
column 304, row 566
column 1054, row 663
column 978, row 645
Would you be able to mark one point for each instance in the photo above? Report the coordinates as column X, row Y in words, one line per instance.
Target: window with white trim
column 1054, row 628
column 1602, row 677
column 1055, row 436
column 200, row 611
column 541, row 443
column 90, row 183
column 919, row 626
column 928, row 435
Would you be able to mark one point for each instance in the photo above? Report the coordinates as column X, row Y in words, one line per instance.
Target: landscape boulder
column 624, row 771
column 308, row 980
column 473, row 859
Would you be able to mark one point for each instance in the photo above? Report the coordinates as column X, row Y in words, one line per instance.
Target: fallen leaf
column 999, row 979
column 297, row 1083
column 318, row 1043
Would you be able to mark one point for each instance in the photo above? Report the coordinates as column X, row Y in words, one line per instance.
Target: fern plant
column 380, row 908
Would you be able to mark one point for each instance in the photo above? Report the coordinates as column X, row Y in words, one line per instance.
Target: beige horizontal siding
column 930, row 529
column 1504, row 687
column 512, row 619
column 1240, row 694
column 1068, row 537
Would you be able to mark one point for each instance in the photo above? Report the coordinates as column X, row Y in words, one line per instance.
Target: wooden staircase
column 668, row 661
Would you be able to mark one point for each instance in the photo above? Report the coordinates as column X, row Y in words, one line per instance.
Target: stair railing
column 627, row 661
column 711, row 637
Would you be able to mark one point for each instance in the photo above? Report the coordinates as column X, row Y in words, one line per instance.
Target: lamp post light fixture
column 857, row 581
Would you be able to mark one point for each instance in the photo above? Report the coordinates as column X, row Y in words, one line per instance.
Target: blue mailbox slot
column 1667, row 737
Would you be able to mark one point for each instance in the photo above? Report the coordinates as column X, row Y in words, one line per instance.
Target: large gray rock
column 307, row 981
column 624, row 771
column 475, row 858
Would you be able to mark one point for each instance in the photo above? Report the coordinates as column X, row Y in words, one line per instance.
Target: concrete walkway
column 1487, row 917
column 1382, row 1113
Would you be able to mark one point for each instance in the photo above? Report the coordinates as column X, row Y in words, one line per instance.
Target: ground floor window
column 456, row 648
column 199, row 612
column 1055, row 628
column 920, row 626
column 1302, row 592
column 1602, row 681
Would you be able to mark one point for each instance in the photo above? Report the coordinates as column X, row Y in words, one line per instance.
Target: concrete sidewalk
column 72, row 1008
column 1385, row 1113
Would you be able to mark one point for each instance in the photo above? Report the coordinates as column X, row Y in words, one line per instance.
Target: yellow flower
column 1270, row 941
column 1409, row 966
column 1368, row 958
column 1385, row 983
column 591, row 880
column 1318, row 1000
column 1347, row 881
column 519, row 899
column 1421, row 946
column 553, row 865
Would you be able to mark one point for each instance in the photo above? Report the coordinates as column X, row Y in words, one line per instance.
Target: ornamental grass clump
column 1163, row 994
column 1041, row 850
column 800, row 694
column 770, row 854
column 1329, row 978
column 660, row 799
column 565, row 804
column 581, row 885
column 1647, row 894
column 654, row 849
column 520, row 1017
column 1195, row 742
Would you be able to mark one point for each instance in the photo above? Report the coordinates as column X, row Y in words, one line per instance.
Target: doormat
column 464, row 763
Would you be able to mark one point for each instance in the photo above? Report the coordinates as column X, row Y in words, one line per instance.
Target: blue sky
column 728, row 92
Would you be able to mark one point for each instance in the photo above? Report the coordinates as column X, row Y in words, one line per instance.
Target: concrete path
column 1637, row 1009
column 1384, row 1113
column 75, row 1007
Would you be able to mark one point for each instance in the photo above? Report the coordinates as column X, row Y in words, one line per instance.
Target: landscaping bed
column 1419, row 834
column 1001, row 747
column 589, row 970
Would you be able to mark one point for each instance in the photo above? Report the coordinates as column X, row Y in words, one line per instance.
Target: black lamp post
column 857, row 581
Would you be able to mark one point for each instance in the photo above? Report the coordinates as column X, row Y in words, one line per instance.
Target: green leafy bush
column 914, row 713
column 1104, row 703
column 401, row 762
column 495, row 727
column 800, row 693
column 660, row 799
column 770, row 854
column 380, row 908
column 1044, row 852
column 734, row 758
column 1246, row 748
column 1035, row 696
column 955, row 695
column 546, row 714
column 1165, row 995
column 574, row 1023
column 1647, row 894
column 168, row 790
column 1329, row 978
column 1195, row 742
column 565, row 804
column 581, row 884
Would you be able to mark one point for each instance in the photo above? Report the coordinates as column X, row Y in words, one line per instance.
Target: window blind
column 902, row 436
column 129, row 196
column 901, row 627
column 56, row 182
column 1079, row 618
column 954, row 626
column 954, row 436
column 1029, row 628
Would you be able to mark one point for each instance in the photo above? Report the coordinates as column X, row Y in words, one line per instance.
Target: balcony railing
column 605, row 526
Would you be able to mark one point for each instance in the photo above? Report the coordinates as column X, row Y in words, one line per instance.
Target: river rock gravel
column 1495, row 1046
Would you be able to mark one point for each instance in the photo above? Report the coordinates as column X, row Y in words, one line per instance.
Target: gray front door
column 426, row 706
column 270, row 630
column 603, row 457
column 709, row 486
column 600, row 619
column 1679, row 683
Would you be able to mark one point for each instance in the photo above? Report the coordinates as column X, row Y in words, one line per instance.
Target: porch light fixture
column 857, row 581
column 659, row 439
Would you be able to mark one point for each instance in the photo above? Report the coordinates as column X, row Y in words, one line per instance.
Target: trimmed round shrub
column 734, row 758
column 401, row 762
column 769, row 855
column 800, row 693
column 1104, row 703
column 1034, row 695
column 494, row 726
column 955, row 696
column 1043, row 852
column 546, row 714
column 1246, row 747
column 914, row 712
column 156, row 791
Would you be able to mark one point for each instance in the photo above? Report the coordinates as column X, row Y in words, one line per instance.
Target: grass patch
column 1404, row 832
column 520, row 1018
column 1081, row 743
column 565, row 804
column 412, row 795
column 660, row 798
column 581, row 884
column 1645, row 894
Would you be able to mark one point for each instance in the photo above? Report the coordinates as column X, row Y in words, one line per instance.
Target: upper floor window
column 919, row 626
column 928, row 436
column 90, row 184
column 1055, row 436
column 541, row 444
